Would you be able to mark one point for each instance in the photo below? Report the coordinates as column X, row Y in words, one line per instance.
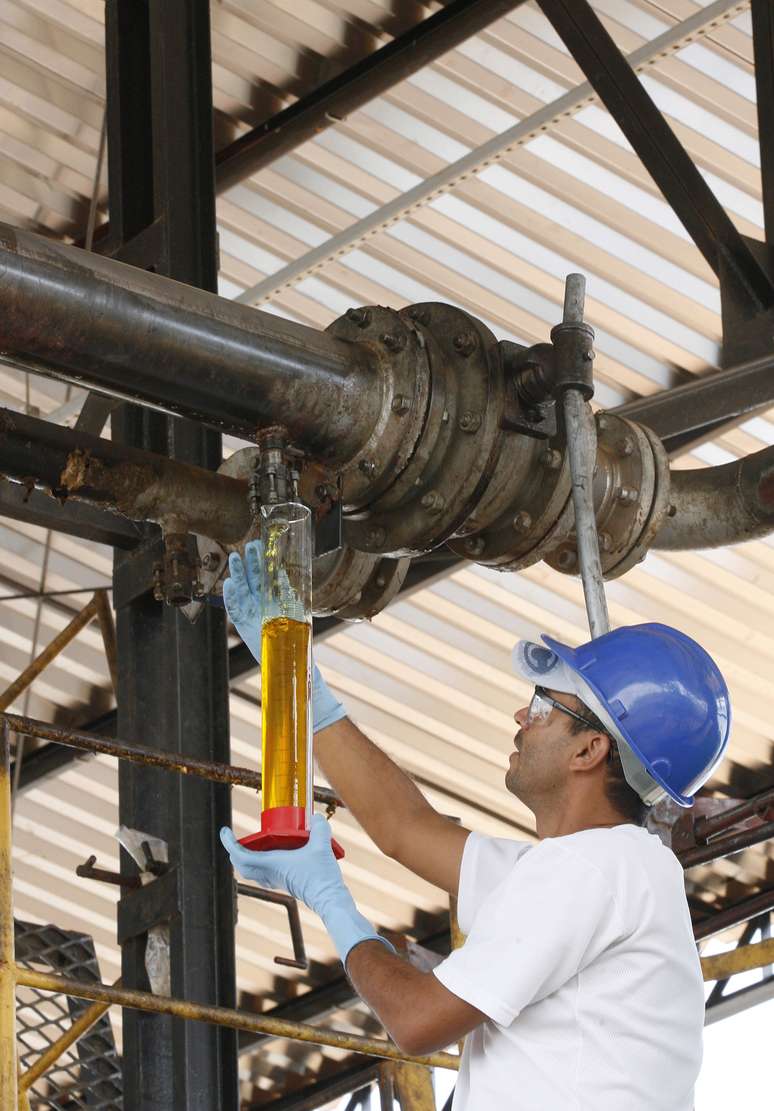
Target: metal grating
column 88, row 1074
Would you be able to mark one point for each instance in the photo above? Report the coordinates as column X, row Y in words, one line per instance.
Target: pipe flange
column 396, row 350
column 521, row 516
column 355, row 585
column 624, row 495
column 659, row 507
column 459, row 446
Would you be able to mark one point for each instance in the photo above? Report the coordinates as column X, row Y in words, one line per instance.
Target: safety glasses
column 542, row 704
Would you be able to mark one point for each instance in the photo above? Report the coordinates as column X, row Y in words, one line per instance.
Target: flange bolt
column 522, row 522
column 475, row 545
column 470, row 422
column 359, row 317
column 465, row 343
column 433, row 501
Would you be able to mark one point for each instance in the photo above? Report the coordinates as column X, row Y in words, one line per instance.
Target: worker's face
column 538, row 767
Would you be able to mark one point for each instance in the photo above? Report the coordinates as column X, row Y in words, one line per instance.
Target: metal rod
column 725, row 846
column 77, row 1029
column 141, row 754
column 49, row 653
column 137, row 336
column 708, row 827
column 225, row 1016
column 8, row 1082
column 582, row 451
column 108, row 630
column 734, row 916
column 742, row 959
column 283, row 899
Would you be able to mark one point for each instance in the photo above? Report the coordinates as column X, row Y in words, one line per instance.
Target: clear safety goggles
column 541, row 705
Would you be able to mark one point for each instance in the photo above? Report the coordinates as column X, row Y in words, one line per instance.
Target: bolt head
column 605, row 542
column 367, row 467
column 567, row 559
column 433, row 501
column 522, row 522
column 627, row 446
column 627, row 495
column 470, row 422
column 401, row 403
column 465, row 343
column 475, row 545
column 359, row 317
column 394, row 341
column 376, row 535
column 551, row 459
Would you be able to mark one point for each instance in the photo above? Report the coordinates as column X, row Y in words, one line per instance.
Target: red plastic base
column 283, row 827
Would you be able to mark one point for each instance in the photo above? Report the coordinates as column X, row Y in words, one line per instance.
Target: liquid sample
column 285, row 694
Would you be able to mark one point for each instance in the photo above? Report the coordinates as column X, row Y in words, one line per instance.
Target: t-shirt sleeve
column 486, row 861
column 552, row 914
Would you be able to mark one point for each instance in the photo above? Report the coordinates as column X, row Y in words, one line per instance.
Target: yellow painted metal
column 49, row 653
column 414, row 1087
column 738, row 960
column 8, row 1084
column 80, row 1027
column 226, row 1016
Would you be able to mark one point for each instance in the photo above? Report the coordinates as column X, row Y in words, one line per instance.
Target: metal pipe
column 734, row 916
column 50, row 1056
column 49, row 653
column 141, row 754
column 225, row 1016
column 135, row 335
column 725, row 846
column 140, row 485
column 582, row 451
column 8, row 1082
column 721, row 505
column 757, row 806
column 742, row 959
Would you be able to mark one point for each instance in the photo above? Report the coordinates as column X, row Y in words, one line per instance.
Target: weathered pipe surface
column 141, row 486
column 722, row 505
column 135, row 335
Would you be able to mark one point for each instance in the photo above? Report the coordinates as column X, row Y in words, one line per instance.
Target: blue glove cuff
column 348, row 928
column 326, row 708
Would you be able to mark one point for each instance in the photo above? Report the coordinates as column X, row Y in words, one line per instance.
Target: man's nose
column 520, row 717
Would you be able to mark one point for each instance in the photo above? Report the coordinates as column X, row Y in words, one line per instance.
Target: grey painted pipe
column 721, row 505
column 135, row 335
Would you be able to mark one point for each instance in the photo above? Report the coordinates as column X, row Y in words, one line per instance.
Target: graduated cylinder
column 286, row 664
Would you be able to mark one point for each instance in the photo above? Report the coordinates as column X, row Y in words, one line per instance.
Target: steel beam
column 660, row 151
column 172, row 681
column 763, row 48
column 74, row 518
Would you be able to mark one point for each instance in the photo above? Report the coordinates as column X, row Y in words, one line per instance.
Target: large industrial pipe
column 720, row 505
column 131, row 334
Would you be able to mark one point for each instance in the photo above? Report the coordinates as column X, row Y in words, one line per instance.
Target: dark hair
column 618, row 792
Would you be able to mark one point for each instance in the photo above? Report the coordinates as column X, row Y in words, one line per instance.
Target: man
column 579, row 986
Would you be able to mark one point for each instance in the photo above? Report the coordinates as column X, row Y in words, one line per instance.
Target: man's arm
column 389, row 806
column 417, row 1011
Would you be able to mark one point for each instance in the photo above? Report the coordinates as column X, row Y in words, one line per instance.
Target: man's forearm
column 380, row 795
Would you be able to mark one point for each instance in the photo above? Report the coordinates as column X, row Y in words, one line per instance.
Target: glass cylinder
column 286, row 669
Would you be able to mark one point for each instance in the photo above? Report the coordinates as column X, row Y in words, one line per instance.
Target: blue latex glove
column 311, row 874
column 242, row 599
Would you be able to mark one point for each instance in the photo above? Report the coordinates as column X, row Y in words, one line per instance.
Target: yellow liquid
column 285, row 646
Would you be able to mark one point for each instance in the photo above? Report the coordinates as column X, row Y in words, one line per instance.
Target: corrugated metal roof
column 429, row 678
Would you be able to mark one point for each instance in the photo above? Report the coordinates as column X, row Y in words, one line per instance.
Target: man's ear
column 591, row 751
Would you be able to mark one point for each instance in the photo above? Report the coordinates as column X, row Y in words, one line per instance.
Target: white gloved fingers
column 320, row 832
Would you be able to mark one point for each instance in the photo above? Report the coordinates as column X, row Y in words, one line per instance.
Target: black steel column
column 763, row 44
column 173, row 689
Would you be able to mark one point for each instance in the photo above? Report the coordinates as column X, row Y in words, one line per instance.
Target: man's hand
column 311, row 874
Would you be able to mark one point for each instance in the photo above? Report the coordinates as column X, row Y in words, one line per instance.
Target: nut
column 605, row 542
column 433, row 501
column 465, row 343
column 394, row 341
column 475, row 545
column 367, row 467
column 376, row 536
column 522, row 522
column 552, row 459
column 360, row 317
column 567, row 559
column 470, row 422
column 626, row 446
column 400, row 403
column 627, row 495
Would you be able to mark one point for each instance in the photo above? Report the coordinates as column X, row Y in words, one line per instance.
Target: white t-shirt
column 581, row 954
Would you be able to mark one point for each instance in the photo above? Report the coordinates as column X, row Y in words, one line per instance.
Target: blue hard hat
column 665, row 696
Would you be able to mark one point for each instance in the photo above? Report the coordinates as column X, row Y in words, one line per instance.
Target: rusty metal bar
column 8, row 1080
column 108, row 630
column 225, row 1016
column 49, row 653
column 141, row 754
column 724, row 846
column 735, row 915
column 743, row 959
column 756, row 807
column 79, row 1027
